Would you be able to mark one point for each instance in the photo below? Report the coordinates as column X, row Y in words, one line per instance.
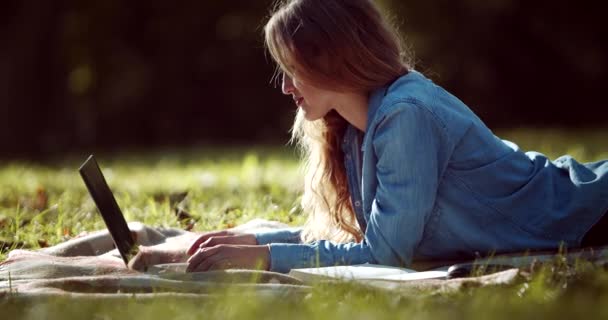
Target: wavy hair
column 340, row 45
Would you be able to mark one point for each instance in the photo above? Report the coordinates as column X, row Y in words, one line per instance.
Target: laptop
column 106, row 203
column 114, row 219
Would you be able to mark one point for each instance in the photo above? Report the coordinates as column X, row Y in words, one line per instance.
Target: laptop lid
column 107, row 206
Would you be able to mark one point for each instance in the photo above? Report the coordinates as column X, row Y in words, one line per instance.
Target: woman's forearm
column 286, row 256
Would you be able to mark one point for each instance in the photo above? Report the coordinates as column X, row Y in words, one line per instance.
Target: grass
column 45, row 203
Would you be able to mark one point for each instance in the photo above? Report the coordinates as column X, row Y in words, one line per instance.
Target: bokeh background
column 80, row 75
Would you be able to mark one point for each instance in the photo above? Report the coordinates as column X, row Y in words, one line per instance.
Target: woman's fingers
column 200, row 256
column 212, row 240
column 209, row 263
column 230, row 256
column 204, row 237
column 242, row 239
column 223, row 258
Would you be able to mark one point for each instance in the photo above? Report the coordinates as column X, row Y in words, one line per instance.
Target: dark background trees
column 112, row 74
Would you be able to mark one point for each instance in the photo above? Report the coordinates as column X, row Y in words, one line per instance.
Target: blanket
column 89, row 266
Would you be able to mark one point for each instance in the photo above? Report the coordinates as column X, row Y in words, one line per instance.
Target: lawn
column 42, row 204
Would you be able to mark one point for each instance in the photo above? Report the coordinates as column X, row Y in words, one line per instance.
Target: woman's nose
column 287, row 85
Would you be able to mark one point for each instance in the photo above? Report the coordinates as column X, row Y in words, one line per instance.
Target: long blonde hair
column 342, row 45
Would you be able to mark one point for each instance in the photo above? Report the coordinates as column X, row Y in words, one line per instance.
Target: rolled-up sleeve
column 406, row 143
column 284, row 256
column 286, row 235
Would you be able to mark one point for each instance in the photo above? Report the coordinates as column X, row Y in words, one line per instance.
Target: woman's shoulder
column 415, row 94
column 416, row 89
column 408, row 91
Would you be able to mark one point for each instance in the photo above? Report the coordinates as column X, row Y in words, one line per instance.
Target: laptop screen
column 106, row 203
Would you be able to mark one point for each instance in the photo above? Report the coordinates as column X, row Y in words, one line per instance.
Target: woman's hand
column 214, row 238
column 176, row 251
column 228, row 256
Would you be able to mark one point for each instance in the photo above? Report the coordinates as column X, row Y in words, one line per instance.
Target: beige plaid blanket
column 89, row 266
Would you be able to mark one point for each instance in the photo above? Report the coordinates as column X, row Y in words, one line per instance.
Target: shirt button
column 357, row 203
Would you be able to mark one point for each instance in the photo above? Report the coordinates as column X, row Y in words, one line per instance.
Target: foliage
column 80, row 74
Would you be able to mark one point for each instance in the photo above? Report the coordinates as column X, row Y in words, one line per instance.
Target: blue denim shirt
column 428, row 180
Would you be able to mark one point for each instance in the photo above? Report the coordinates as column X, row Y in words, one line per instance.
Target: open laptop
column 106, row 203
column 114, row 219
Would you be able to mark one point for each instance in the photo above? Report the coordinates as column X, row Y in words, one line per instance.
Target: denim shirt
column 428, row 180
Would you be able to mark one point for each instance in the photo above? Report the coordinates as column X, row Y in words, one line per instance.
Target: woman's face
column 314, row 102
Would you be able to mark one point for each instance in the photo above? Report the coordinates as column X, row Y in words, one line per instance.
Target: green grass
column 49, row 203
column 43, row 204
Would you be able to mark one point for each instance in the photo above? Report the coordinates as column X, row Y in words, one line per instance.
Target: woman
column 397, row 168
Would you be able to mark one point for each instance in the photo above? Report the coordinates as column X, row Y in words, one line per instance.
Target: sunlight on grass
column 46, row 204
